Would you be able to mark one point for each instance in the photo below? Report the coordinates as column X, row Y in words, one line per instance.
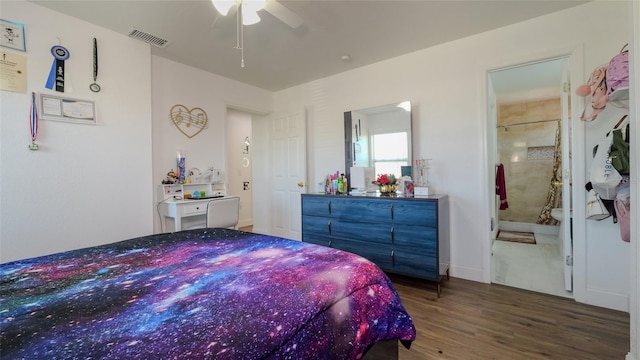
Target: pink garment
column 624, row 219
column 501, row 188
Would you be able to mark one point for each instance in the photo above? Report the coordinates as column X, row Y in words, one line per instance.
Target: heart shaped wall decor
column 189, row 122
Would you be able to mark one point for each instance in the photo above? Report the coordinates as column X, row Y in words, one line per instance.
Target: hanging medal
column 56, row 75
column 95, row 87
column 33, row 122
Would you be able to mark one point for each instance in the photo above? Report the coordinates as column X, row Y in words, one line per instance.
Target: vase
column 387, row 189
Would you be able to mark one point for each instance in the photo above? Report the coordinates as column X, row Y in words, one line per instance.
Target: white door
column 288, row 173
column 566, row 177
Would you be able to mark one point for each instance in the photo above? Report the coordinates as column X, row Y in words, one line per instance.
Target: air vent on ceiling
column 148, row 38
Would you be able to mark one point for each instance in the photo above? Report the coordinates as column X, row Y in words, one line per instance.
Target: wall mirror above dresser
column 378, row 137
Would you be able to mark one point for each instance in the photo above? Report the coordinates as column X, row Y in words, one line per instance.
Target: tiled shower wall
column 526, row 151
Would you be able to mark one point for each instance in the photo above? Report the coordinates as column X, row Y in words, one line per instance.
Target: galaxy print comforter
column 198, row 294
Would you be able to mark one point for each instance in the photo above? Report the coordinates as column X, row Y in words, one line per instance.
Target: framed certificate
column 12, row 35
column 67, row 109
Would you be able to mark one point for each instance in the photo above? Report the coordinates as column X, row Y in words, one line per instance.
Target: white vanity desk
column 192, row 212
column 185, row 214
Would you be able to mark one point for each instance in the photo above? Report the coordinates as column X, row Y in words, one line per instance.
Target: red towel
column 501, row 189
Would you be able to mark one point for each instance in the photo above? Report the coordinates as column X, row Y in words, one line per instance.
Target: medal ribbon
column 95, row 59
column 56, row 75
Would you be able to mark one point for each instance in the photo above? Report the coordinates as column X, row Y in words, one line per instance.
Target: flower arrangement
column 385, row 179
column 386, row 183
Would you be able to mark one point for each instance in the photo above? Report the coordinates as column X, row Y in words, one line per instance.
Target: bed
column 198, row 294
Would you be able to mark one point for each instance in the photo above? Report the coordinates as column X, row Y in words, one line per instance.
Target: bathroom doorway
column 529, row 130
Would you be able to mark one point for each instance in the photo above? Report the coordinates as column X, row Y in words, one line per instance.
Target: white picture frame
column 66, row 109
column 12, row 35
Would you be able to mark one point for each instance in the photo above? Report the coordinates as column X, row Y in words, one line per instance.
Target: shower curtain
column 554, row 197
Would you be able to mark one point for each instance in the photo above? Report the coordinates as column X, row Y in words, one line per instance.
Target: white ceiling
column 278, row 56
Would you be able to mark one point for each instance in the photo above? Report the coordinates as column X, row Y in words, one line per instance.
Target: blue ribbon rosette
column 56, row 75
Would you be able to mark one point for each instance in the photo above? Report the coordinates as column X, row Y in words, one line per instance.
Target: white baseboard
column 630, row 357
column 466, row 273
column 607, row 299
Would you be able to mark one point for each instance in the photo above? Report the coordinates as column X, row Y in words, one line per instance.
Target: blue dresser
column 408, row 236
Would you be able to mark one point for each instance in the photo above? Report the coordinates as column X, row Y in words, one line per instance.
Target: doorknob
column 301, row 184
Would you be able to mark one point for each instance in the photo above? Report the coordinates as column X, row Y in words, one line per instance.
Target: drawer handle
column 392, row 233
column 391, row 209
column 329, row 226
column 393, row 258
column 197, row 208
column 329, row 206
column 330, row 243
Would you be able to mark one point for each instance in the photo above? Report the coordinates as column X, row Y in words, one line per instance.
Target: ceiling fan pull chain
column 240, row 33
column 238, row 20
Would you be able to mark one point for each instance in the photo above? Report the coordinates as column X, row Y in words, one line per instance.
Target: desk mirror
column 378, row 137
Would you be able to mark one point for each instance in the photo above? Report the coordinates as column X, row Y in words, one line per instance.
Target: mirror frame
column 348, row 140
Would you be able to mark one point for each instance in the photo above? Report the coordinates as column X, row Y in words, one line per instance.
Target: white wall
column 174, row 83
column 447, row 87
column 261, row 166
column 88, row 184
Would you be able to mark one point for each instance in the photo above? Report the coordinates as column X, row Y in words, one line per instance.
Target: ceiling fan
column 249, row 11
column 247, row 14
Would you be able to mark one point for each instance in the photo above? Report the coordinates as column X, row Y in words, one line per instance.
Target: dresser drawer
column 415, row 213
column 379, row 233
column 422, row 238
column 363, row 211
column 392, row 259
column 316, row 205
column 194, row 209
column 378, row 254
column 414, row 263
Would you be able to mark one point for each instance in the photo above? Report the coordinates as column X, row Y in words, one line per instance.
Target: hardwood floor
column 473, row 320
column 248, row 228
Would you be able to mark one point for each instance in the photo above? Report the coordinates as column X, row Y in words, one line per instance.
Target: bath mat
column 516, row 236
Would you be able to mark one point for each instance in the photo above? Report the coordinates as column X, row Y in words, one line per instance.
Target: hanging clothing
column 501, row 189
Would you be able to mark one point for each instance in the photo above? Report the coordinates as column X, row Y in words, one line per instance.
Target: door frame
column 575, row 54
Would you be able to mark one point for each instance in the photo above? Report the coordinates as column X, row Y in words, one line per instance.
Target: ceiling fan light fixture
column 253, row 5
column 249, row 17
column 223, row 6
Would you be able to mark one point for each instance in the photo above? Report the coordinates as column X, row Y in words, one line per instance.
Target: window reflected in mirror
column 390, row 152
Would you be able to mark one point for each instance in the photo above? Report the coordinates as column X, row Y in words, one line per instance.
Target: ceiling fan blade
column 283, row 13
